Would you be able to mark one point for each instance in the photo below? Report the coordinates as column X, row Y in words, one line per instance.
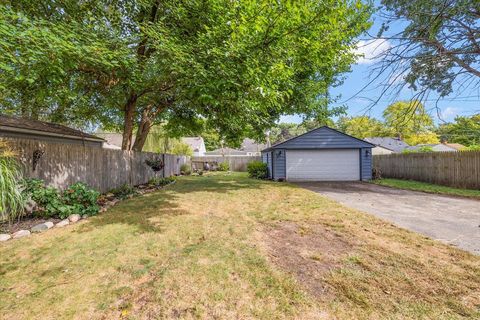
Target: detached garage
column 323, row 154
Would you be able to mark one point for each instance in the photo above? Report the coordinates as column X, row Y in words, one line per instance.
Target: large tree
column 229, row 65
column 439, row 45
column 464, row 130
column 363, row 127
column 409, row 120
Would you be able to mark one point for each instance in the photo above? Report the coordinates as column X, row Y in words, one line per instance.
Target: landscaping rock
column 40, row 228
column 20, row 234
column 30, row 206
column 85, row 216
column 62, row 223
column 5, row 237
column 74, row 217
column 49, row 224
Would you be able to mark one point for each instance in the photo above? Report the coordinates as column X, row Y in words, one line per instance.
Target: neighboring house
column 252, row 148
column 20, row 128
column 378, row 150
column 196, row 144
column 437, row 147
column 323, row 154
column 396, row 145
column 225, row 152
column 113, row 140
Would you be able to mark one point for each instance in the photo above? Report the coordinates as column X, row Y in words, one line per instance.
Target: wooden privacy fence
column 454, row 169
column 236, row 163
column 61, row 165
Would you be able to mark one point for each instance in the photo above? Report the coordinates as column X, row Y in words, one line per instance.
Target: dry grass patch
column 228, row 247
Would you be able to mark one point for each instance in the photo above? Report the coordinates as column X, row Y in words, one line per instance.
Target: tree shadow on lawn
column 150, row 212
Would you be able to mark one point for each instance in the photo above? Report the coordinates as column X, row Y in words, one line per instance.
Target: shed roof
column 322, row 138
column 22, row 125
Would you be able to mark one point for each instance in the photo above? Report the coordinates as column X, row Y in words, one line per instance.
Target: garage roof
column 322, row 138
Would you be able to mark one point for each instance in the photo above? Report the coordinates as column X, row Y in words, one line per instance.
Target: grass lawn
column 427, row 187
column 227, row 247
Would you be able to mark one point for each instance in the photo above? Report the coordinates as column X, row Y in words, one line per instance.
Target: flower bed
column 35, row 223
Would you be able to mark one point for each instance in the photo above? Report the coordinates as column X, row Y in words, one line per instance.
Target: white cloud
column 369, row 51
column 449, row 113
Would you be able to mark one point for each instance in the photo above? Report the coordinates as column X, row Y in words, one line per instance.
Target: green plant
column 49, row 202
column 82, row 199
column 257, row 170
column 12, row 200
column 124, row 191
column 185, row 169
column 223, row 166
column 158, row 182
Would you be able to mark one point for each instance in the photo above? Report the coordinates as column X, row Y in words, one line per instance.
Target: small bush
column 82, row 199
column 124, row 191
column 49, row 202
column 223, row 166
column 257, row 170
column 185, row 169
column 159, row 182
column 376, row 173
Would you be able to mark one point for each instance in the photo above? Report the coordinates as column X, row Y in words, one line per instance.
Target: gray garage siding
column 366, row 163
column 279, row 164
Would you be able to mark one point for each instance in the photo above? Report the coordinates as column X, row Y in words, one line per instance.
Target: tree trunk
column 142, row 131
column 129, row 121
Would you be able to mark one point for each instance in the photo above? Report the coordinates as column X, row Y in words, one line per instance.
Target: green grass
column 427, row 187
column 199, row 250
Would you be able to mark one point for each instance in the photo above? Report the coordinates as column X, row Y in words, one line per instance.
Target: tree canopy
column 409, row 121
column 464, row 130
column 234, row 66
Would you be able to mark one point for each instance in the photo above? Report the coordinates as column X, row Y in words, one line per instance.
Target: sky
column 461, row 102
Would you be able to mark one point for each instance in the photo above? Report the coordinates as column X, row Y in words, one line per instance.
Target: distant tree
column 409, row 121
column 182, row 149
column 362, row 127
column 438, row 46
column 464, row 130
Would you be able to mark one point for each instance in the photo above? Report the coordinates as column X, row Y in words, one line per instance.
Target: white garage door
column 323, row 165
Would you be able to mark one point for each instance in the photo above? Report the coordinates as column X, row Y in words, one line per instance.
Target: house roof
column 391, row 143
column 322, row 138
column 434, row 146
column 114, row 139
column 249, row 145
column 226, row 151
column 456, row 146
column 196, row 143
column 23, row 125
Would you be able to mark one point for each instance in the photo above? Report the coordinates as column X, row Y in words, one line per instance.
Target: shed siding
column 279, row 164
column 366, row 164
column 324, row 138
column 267, row 158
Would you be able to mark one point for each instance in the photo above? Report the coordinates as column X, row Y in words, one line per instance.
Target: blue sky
column 462, row 101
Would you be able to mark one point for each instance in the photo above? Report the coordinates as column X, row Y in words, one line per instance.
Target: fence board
column 454, row 169
column 103, row 169
column 236, row 163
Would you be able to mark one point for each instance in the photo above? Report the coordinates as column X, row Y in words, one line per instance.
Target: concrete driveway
column 455, row 221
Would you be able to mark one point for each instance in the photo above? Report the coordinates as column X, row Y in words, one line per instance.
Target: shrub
column 124, row 191
column 82, row 199
column 159, row 182
column 12, row 201
column 49, row 202
column 257, row 170
column 185, row 169
column 223, row 166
